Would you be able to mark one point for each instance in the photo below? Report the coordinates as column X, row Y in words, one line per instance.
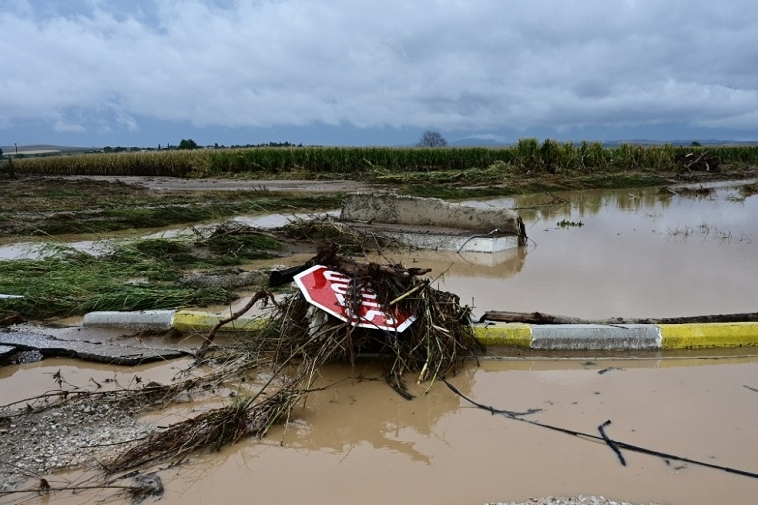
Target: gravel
column 72, row 436
column 576, row 500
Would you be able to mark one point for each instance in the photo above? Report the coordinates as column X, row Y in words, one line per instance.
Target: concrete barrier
column 568, row 337
column 389, row 208
column 142, row 320
column 431, row 223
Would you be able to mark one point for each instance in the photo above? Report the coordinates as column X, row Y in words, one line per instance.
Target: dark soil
column 34, row 205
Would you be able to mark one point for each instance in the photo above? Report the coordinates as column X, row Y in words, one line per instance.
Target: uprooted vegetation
column 749, row 189
column 137, row 276
column 204, row 269
column 300, row 339
column 273, row 370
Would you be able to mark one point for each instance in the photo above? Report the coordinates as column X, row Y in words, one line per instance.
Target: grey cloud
column 460, row 65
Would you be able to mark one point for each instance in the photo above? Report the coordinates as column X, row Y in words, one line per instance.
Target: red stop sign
column 327, row 289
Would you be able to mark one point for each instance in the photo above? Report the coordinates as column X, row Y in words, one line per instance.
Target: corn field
column 526, row 156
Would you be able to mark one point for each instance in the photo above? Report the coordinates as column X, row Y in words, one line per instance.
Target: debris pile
column 383, row 309
column 702, row 162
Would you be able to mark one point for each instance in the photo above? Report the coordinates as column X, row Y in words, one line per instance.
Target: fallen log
column 541, row 318
column 529, row 318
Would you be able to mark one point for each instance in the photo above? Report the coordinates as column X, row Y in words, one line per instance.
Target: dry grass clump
column 749, row 189
column 324, row 230
column 226, row 425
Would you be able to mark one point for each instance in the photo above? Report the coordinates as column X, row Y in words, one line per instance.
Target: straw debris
column 213, row 429
column 300, row 339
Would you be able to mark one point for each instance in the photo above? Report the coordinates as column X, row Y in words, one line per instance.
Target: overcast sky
column 369, row 72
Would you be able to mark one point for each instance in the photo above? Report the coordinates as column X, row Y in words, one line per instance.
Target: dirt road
column 212, row 184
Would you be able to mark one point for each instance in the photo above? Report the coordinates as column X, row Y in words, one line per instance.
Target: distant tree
column 432, row 138
column 695, row 143
column 187, row 144
column 107, row 149
column 1, row 152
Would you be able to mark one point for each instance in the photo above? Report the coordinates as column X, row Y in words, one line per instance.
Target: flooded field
column 638, row 253
column 601, row 254
column 634, row 253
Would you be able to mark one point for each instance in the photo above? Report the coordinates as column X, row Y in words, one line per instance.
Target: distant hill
column 473, row 142
column 42, row 148
column 703, row 142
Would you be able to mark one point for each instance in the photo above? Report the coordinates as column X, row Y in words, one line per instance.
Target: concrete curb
column 164, row 320
column 618, row 337
column 574, row 337
column 158, row 320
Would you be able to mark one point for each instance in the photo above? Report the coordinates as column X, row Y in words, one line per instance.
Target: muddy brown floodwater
column 359, row 442
column 634, row 253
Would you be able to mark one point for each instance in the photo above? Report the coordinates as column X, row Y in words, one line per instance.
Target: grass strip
column 137, row 276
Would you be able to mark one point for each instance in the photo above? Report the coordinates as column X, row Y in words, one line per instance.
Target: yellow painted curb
column 692, row 336
column 673, row 336
column 192, row 321
column 505, row 334
column 499, row 334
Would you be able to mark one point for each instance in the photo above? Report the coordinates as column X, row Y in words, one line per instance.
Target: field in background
column 528, row 156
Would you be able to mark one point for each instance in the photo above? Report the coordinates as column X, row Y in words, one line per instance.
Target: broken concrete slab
column 442, row 239
column 431, row 223
column 383, row 207
column 6, row 351
column 89, row 351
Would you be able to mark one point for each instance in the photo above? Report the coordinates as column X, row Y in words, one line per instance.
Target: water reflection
column 365, row 411
column 572, row 204
column 640, row 252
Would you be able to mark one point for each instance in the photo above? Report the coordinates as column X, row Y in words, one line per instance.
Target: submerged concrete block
column 431, row 223
column 390, row 208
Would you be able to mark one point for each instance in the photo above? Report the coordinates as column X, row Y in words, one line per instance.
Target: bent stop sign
column 327, row 289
